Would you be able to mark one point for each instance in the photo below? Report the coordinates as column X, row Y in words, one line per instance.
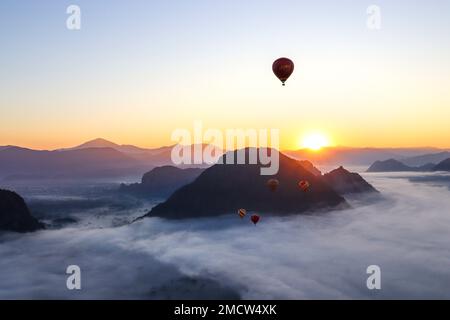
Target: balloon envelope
column 273, row 184
column 283, row 69
column 255, row 218
column 304, row 185
column 242, row 212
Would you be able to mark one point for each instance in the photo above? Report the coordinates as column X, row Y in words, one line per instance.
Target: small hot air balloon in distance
column 273, row 184
column 283, row 68
column 255, row 218
column 304, row 185
column 242, row 213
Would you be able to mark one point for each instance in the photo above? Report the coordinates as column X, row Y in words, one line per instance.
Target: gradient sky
column 139, row 69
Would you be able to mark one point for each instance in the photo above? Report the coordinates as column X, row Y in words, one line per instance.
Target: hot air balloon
column 255, row 218
column 304, row 185
column 242, row 213
column 273, row 184
column 283, row 69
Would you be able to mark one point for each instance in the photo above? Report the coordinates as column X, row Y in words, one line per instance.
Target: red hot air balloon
column 283, row 69
column 254, row 218
column 273, row 184
column 304, row 185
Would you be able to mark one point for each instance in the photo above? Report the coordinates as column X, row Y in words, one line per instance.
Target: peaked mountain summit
column 346, row 182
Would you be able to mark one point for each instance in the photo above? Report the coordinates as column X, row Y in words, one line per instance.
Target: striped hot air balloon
column 242, row 213
column 304, row 185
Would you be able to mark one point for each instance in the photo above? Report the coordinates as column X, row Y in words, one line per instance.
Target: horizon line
column 168, row 146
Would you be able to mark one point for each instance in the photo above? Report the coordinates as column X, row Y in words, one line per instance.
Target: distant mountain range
column 393, row 165
column 97, row 158
column 426, row 159
column 155, row 157
column 100, row 158
column 223, row 189
column 20, row 163
column 365, row 156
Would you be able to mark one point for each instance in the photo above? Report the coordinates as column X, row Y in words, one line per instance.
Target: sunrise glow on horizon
column 315, row 141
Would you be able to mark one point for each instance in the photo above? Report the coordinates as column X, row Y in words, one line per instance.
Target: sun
column 315, row 141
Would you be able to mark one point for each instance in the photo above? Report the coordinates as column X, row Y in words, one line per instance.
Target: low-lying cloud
column 292, row 257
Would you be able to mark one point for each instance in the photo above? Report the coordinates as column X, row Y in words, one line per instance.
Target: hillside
column 161, row 181
column 18, row 162
column 393, row 165
column 345, row 182
column 14, row 214
column 443, row 165
column 223, row 189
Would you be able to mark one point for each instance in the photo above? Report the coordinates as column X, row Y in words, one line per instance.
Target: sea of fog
column 407, row 234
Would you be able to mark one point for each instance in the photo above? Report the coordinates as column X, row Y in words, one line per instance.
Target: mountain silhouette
column 443, row 165
column 124, row 148
column 358, row 156
column 224, row 188
column 98, row 158
column 393, row 165
column 162, row 181
column 101, row 158
column 14, row 214
column 345, row 182
column 156, row 157
column 18, row 162
column 425, row 159
column 97, row 143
